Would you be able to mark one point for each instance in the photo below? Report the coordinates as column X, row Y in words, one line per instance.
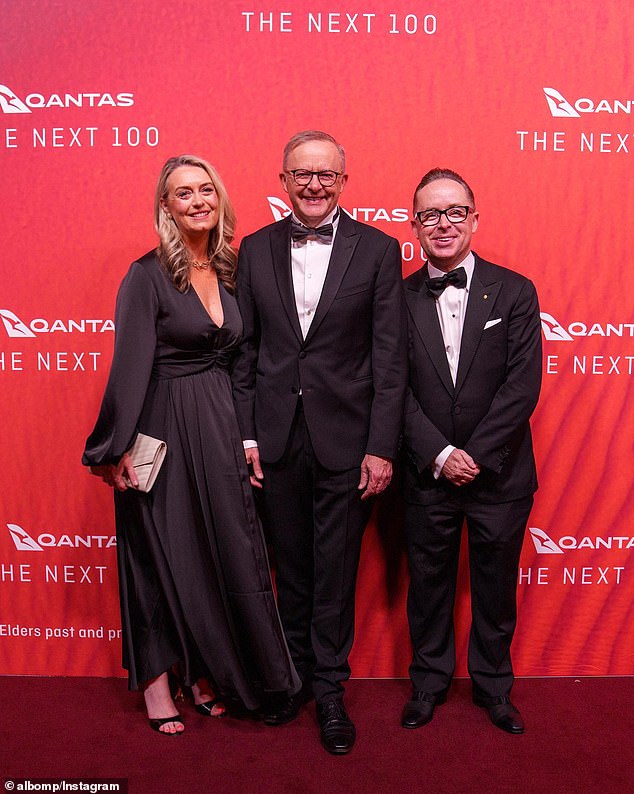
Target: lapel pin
column 485, row 296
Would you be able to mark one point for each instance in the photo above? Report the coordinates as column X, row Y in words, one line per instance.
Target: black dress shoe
column 502, row 712
column 420, row 709
column 336, row 730
column 281, row 709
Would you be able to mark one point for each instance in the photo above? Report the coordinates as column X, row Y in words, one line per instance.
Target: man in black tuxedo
column 475, row 375
column 319, row 387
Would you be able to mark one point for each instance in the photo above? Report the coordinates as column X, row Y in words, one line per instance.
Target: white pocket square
column 491, row 323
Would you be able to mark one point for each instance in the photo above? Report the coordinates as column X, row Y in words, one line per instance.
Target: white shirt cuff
column 441, row 460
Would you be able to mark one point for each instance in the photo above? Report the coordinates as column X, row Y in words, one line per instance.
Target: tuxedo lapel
column 422, row 307
column 345, row 242
column 281, row 254
column 483, row 294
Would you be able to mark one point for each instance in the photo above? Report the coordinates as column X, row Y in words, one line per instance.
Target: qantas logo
column 544, row 544
column 10, row 102
column 14, row 325
column 24, row 542
column 554, row 331
column 18, row 329
column 560, row 107
column 281, row 210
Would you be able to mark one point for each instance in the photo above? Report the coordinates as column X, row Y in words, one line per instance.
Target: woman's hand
column 115, row 476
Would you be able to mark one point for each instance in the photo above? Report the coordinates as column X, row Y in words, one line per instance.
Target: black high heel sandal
column 178, row 688
column 157, row 723
column 207, row 708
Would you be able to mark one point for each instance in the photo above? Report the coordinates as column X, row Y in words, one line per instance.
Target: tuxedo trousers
column 314, row 518
column 495, row 534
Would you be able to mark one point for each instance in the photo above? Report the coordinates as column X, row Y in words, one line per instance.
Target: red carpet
column 579, row 739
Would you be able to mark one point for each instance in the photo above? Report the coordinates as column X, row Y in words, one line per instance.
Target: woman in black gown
column 194, row 579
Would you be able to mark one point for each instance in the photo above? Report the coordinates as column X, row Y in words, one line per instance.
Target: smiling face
column 447, row 243
column 192, row 201
column 313, row 202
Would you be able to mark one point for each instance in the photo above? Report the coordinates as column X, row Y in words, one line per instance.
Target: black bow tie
column 299, row 232
column 457, row 278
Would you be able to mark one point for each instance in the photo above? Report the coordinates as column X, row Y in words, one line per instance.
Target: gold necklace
column 201, row 265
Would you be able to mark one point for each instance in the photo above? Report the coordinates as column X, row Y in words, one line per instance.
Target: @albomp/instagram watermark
column 91, row 785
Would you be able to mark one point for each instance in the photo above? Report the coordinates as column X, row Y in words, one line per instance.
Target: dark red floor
column 580, row 739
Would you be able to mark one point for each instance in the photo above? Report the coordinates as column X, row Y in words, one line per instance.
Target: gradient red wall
column 532, row 103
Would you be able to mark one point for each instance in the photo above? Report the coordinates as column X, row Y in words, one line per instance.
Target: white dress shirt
column 451, row 307
column 309, row 265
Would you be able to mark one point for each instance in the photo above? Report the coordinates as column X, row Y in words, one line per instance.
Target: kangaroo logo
column 279, row 208
column 543, row 544
column 23, row 541
column 14, row 325
column 10, row 102
column 553, row 331
column 559, row 105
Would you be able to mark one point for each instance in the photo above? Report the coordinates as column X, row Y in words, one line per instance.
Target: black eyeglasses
column 453, row 215
column 326, row 178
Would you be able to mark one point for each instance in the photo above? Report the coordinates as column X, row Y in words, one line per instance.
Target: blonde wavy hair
column 172, row 252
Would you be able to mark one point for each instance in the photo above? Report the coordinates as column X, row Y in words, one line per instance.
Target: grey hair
column 312, row 135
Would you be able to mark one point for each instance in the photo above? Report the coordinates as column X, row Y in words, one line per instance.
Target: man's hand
column 376, row 473
column 252, row 454
column 460, row 468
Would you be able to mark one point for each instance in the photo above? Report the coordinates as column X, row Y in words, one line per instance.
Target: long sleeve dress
column 194, row 576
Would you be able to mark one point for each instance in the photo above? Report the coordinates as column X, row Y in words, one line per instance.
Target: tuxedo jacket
column 497, row 386
column 351, row 368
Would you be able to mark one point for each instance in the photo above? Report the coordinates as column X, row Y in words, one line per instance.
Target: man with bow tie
column 319, row 387
column 475, row 375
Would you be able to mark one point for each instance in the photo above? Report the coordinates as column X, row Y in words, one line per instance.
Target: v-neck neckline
column 204, row 308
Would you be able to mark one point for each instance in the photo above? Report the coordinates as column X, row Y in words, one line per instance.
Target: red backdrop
column 93, row 98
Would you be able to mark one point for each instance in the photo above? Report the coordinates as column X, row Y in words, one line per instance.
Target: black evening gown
column 194, row 576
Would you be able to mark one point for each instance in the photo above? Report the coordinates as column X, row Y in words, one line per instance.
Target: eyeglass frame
column 315, row 173
column 444, row 212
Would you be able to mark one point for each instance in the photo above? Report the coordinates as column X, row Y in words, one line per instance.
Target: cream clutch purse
column 147, row 455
